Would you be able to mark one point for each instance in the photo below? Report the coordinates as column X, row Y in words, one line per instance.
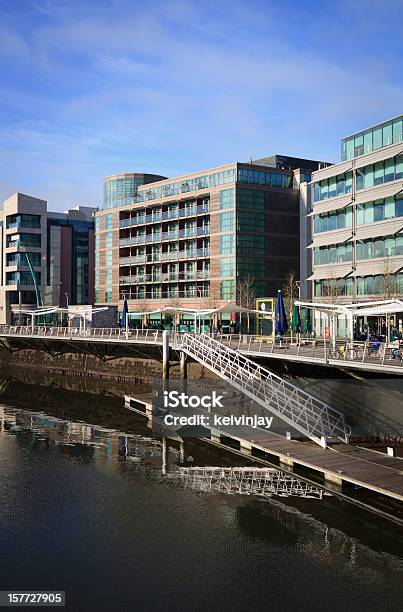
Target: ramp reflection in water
column 264, row 482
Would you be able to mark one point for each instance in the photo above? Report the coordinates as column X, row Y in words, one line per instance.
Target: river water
column 90, row 504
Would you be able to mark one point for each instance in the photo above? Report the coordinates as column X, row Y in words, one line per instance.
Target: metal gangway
column 307, row 414
column 264, row 482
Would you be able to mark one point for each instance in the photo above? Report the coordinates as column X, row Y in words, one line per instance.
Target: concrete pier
column 183, row 365
column 165, row 355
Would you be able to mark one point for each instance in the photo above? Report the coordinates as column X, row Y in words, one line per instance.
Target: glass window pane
column 360, row 252
column 399, row 207
column 378, row 174
column 324, row 190
column 349, row 217
column 358, row 145
column 350, row 148
column 332, row 187
column 399, row 245
column 387, row 138
column 399, row 167
column 398, row 130
column 341, row 219
column 349, row 182
column 389, row 247
column 389, row 169
column 379, row 248
column 369, row 176
column 369, row 212
column 332, row 221
column 379, row 211
column 377, row 138
column 389, row 208
column 360, row 214
column 359, row 178
column 368, row 142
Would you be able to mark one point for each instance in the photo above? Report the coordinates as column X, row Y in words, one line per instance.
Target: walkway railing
column 316, row 350
column 99, row 333
column 302, row 411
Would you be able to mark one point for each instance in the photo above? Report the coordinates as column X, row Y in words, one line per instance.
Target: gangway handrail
column 304, row 412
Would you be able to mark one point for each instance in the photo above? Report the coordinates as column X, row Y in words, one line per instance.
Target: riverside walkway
column 104, row 343
column 310, row 417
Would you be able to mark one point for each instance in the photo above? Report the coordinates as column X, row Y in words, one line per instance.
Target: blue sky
column 90, row 88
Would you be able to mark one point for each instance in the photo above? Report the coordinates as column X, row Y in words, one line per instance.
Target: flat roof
column 371, row 127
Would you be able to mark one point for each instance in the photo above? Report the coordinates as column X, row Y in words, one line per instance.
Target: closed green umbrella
column 296, row 320
column 307, row 321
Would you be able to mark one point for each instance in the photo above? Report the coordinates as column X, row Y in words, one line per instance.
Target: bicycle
column 343, row 352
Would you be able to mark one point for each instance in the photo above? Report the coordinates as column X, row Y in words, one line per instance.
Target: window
column 227, row 222
column 333, row 220
column 108, row 295
column 250, row 198
column 388, row 133
column 378, row 173
column 108, row 221
column 227, row 244
column 261, row 177
column 250, row 245
column 333, row 254
column 24, row 240
column 227, row 266
column 108, row 240
column 246, row 222
column 379, row 210
column 227, row 198
column 388, row 246
column 21, row 220
column 341, row 184
column 227, row 290
column 381, row 172
column 334, row 287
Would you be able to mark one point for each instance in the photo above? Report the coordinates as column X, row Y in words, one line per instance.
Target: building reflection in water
column 159, row 460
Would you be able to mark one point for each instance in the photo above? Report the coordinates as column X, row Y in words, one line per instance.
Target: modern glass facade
column 122, row 189
column 363, row 252
column 382, row 135
column 77, row 285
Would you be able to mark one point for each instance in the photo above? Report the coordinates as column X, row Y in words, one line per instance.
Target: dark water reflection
column 85, row 507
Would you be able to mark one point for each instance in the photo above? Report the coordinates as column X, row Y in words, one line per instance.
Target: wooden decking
column 365, row 468
column 362, row 467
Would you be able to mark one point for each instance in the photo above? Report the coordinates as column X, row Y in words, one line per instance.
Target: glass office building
column 372, row 139
column 356, row 213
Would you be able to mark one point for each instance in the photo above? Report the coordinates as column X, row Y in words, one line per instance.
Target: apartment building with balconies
column 191, row 240
column 46, row 258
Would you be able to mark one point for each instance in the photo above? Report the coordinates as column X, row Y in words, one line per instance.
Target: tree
column 246, row 295
column 290, row 292
column 332, row 290
column 390, row 288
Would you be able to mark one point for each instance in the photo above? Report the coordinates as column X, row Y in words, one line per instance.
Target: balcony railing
column 170, row 277
column 180, row 213
column 175, row 235
column 158, row 257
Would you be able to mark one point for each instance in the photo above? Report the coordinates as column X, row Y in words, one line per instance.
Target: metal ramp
column 305, row 413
